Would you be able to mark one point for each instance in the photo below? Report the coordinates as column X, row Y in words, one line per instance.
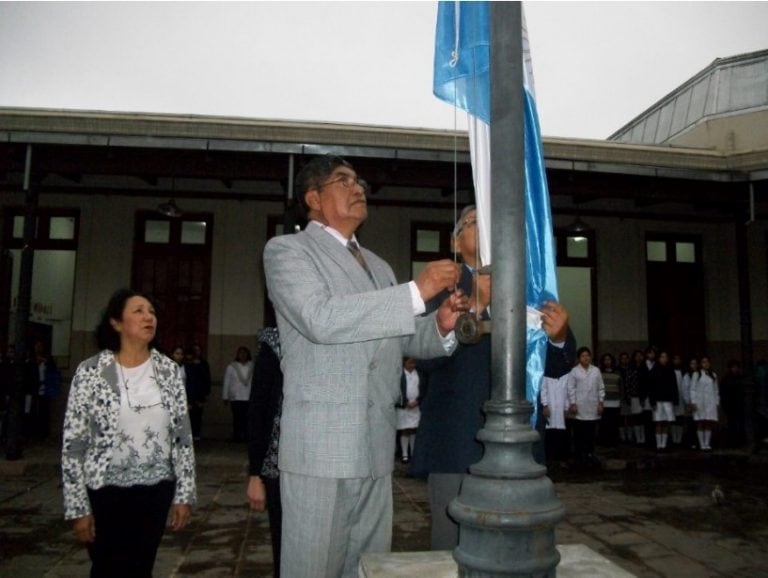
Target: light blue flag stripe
column 540, row 265
column 542, row 274
column 464, row 82
column 462, row 78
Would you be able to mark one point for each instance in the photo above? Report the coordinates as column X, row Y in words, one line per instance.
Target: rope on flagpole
column 455, row 52
column 452, row 63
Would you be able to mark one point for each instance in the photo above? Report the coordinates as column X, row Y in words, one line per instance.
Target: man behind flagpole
column 460, row 385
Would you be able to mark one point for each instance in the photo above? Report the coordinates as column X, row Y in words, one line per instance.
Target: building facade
column 659, row 241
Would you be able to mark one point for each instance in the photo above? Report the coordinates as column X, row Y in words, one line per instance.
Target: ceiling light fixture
column 577, row 230
column 169, row 209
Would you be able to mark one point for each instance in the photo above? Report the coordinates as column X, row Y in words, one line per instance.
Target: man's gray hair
column 460, row 223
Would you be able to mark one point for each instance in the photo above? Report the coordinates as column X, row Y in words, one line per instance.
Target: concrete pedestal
column 577, row 561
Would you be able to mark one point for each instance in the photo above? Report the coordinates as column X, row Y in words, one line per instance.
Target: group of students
column 620, row 402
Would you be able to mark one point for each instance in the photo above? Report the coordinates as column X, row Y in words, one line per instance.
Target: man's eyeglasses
column 348, row 182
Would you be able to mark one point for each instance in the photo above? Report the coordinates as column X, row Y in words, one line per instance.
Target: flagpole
column 507, row 204
column 507, row 509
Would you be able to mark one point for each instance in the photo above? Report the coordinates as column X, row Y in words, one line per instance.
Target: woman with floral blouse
column 127, row 457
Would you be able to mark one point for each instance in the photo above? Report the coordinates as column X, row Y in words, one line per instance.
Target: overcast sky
column 596, row 64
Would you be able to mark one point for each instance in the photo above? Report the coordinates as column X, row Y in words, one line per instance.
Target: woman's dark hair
column 247, row 352
column 688, row 370
column 581, row 350
column 605, row 356
column 106, row 336
column 313, row 175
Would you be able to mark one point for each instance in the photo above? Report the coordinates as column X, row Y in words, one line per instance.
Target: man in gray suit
column 345, row 325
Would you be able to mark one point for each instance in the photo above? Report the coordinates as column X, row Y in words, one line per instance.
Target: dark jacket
column 263, row 409
column 644, row 381
column 662, row 384
column 198, row 383
column 459, row 386
column 51, row 383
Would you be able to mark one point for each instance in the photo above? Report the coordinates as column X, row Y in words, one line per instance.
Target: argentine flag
column 462, row 78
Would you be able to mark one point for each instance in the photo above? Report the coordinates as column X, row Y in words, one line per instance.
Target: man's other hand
column 554, row 321
column 450, row 310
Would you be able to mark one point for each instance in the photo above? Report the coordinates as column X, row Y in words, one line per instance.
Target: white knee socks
column 404, row 443
column 705, row 437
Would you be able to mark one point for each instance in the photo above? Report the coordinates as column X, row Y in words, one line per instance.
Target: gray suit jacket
column 342, row 341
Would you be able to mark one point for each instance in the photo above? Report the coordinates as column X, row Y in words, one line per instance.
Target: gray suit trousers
column 329, row 522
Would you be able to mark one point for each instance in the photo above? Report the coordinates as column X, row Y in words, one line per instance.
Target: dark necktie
column 354, row 248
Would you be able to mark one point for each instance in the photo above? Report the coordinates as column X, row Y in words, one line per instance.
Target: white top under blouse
column 142, row 455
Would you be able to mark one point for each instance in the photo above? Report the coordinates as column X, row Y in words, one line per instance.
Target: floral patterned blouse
column 96, row 450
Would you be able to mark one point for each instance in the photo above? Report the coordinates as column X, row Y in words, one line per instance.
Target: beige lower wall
column 222, row 350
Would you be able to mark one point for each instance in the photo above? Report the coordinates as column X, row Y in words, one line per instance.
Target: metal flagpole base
column 507, row 509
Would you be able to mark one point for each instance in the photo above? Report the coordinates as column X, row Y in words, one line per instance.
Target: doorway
column 675, row 291
column 576, row 266
column 172, row 263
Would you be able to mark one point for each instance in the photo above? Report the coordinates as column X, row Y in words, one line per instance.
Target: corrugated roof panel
column 748, row 85
column 698, row 101
column 651, row 124
column 637, row 133
column 722, row 102
column 711, row 105
column 665, row 124
column 680, row 114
